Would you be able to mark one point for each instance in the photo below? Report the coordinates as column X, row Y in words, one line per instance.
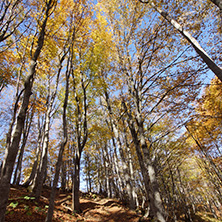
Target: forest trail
column 106, row 210
column 94, row 208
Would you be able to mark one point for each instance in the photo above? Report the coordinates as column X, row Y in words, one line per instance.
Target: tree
column 200, row 51
column 112, row 89
column 11, row 17
column 14, row 139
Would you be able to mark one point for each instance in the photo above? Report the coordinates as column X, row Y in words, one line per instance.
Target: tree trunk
column 61, row 150
column 63, row 175
column 76, row 184
column 131, row 170
column 12, row 147
column 29, row 181
column 125, row 172
column 200, row 51
column 18, row 170
column 147, row 168
column 81, row 135
column 108, row 176
column 39, row 178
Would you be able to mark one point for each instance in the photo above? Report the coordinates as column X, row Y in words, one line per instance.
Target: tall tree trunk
column 13, row 145
column 42, row 171
column 155, row 199
column 76, row 184
column 39, row 177
column 147, row 168
column 31, row 177
column 18, row 170
column 125, row 172
column 200, row 51
column 81, row 135
column 130, row 164
column 108, row 175
column 61, row 150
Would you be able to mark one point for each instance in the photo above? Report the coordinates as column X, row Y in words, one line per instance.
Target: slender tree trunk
column 13, row 145
column 200, row 51
column 81, row 135
column 76, row 184
column 42, row 171
column 125, row 172
column 39, row 178
column 18, row 170
column 29, row 181
column 59, row 160
column 63, row 175
column 108, row 176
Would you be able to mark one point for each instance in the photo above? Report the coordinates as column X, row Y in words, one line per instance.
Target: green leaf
column 29, row 198
column 14, row 205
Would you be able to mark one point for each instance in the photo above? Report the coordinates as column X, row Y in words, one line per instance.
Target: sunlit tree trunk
column 131, row 169
column 31, row 177
column 217, row 70
column 39, row 177
column 125, row 172
column 13, row 145
column 18, row 170
column 147, row 168
column 81, row 135
column 107, row 169
column 61, row 150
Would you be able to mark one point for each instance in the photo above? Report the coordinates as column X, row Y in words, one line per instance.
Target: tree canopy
column 123, row 95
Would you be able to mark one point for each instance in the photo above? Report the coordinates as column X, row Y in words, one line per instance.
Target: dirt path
column 106, row 210
column 22, row 208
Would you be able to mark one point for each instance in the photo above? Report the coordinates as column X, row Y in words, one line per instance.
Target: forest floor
column 95, row 208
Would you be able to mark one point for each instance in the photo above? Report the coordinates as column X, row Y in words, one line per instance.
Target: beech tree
column 200, row 51
column 110, row 88
column 14, row 139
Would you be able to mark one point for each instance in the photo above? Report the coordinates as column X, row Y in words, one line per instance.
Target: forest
column 124, row 96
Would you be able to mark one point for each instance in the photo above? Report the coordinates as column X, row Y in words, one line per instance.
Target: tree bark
column 147, row 168
column 76, row 184
column 39, row 177
column 31, row 177
column 18, row 170
column 12, row 148
column 61, row 150
column 200, row 51
column 125, row 172
column 81, row 135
